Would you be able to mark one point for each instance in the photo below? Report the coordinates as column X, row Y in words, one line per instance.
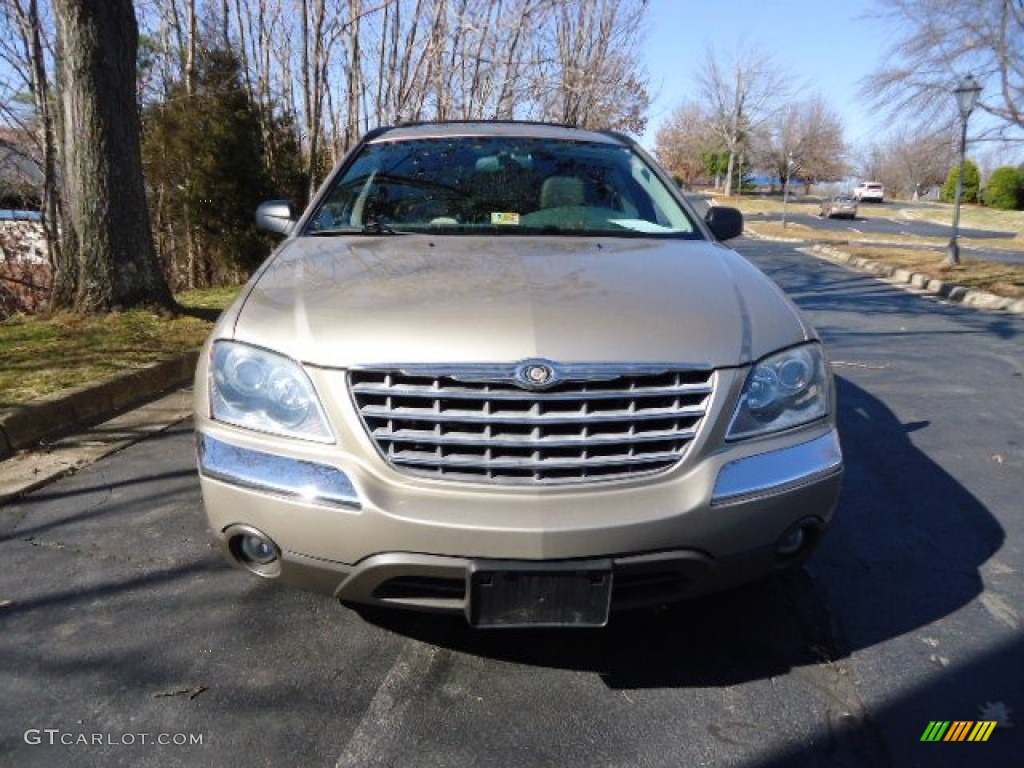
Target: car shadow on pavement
column 12, row 526
column 902, row 524
column 962, row 693
column 830, row 294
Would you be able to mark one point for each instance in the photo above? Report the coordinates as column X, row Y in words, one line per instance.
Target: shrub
column 1005, row 189
column 972, row 183
column 208, row 167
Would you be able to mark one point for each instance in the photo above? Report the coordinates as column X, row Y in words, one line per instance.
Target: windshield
column 504, row 185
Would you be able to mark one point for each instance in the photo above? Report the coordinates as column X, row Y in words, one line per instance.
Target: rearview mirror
column 275, row 216
column 724, row 223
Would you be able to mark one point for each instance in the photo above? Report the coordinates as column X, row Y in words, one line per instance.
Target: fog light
column 798, row 540
column 791, row 543
column 253, row 550
column 257, row 550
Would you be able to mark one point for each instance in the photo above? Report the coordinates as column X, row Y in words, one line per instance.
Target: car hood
column 371, row 300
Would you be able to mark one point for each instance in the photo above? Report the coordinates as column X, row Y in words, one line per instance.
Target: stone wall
column 25, row 275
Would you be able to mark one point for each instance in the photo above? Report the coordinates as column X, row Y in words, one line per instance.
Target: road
column 885, row 221
column 121, row 626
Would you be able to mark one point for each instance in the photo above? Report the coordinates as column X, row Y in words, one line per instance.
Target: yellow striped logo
column 958, row 730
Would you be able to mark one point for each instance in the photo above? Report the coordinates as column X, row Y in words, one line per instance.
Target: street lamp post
column 785, row 187
column 966, row 93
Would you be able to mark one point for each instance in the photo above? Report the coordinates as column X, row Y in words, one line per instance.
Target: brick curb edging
column 25, row 426
column 947, row 290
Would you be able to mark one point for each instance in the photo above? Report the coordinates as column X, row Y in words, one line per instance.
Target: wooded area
column 241, row 100
column 752, row 115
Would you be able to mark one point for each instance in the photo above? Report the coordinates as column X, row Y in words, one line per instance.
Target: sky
column 827, row 47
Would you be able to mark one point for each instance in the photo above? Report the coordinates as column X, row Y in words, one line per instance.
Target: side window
column 346, row 205
column 657, row 205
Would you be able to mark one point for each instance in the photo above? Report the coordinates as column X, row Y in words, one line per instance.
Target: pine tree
column 972, row 183
column 206, row 154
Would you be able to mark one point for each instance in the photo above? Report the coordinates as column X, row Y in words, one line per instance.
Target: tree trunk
column 41, row 91
column 728, row 174
column 108, row 253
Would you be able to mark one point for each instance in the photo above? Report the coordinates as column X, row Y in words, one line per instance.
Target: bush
column 972, row 183
column 1005, row 189
column 207, row 165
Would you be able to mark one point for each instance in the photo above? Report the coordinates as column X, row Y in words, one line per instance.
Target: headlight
column 782, row 391
column 260, row 390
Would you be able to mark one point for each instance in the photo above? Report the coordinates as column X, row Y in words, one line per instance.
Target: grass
column 994, row 277
column 45, row 354
column 974, row 216
column 917, row 254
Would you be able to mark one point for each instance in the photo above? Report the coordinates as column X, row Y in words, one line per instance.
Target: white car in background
column 869, row 192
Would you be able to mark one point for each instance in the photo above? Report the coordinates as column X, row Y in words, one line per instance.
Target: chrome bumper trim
column 777, row 470
column 292, row 478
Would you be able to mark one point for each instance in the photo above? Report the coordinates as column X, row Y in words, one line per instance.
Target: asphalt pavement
column 882, row 222
column 127, row 641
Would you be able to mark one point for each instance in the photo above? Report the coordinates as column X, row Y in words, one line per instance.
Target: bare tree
column 332, row 69
column 320, row 72
column 911, row 162
column 940, row 41
column 27, row 54
column 395, row 80
column 741, row 94
column 806, row 139
column 340, row 67
column 108, row 259
column 597, row 79
column 684, row 142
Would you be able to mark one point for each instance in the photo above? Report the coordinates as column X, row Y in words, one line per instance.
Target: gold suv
column 503, row 369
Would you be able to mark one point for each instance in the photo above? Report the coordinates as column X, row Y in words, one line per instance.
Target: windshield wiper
column 372, row 227
column 378, row 227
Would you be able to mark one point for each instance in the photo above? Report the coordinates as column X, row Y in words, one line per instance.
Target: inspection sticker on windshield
column 499, row 217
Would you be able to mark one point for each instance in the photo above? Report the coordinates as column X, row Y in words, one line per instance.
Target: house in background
column 21, row 175
column 25, row 273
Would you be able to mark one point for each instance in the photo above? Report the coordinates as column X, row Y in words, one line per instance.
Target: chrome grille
column 586, row 428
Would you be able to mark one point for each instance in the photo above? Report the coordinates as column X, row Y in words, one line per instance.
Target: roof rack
column 413, row 123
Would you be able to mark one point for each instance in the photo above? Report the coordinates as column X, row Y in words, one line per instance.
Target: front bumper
column 347, row 532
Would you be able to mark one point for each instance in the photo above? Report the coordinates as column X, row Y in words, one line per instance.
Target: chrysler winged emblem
column 536, row 374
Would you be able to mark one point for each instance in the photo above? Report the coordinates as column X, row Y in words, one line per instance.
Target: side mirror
column 724, row 223
column 275, row 216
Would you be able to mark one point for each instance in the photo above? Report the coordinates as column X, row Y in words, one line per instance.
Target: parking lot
column 127, row 641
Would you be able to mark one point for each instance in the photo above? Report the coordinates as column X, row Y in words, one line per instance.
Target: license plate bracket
column 511, row 594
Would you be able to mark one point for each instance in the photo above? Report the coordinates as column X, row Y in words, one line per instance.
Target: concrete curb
column 951, row 291
column 959, row 294
column 28, row 470
column 26, row 426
